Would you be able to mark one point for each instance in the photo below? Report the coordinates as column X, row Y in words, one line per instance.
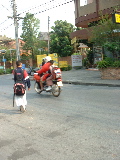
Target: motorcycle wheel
column 37, row 88
column 56, row 90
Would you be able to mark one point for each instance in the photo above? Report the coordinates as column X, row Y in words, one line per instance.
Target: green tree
column 106, row 34
column 30, row 28
column 60, row 41
column 42, row 47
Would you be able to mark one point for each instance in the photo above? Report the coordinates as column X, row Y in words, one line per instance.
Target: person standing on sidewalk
column 21, row 76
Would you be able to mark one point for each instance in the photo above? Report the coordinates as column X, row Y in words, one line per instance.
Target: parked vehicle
column 57, row 83
column 30, row 71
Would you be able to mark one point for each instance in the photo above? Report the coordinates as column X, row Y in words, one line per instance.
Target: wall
column 68, row 59
column 91, row 7
column 110, row 73
column 89, row 13
column 87, row 9
column 27, row 63
column 7, row 64
column 104, row 4
column 89, row 1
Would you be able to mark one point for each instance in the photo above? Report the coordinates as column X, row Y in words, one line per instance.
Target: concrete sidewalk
column 87, row 77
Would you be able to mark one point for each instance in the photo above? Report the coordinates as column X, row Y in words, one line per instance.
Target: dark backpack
column 19, row 87
column 19, row 76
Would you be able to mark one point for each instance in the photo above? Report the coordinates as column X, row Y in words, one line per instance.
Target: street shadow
column 10, row 112
column 41, row 95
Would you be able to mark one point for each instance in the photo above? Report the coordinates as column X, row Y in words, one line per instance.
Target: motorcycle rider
column 43, row 61
column 45, row 72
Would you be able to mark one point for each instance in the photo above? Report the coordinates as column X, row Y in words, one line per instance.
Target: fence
column 34, row 62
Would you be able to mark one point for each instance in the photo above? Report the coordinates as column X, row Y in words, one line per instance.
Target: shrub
column 86, row 62
column 116, row 64
column 108, row 62
column 69, row 67
column 9, row 71
column 1, row 71
column 102, row 64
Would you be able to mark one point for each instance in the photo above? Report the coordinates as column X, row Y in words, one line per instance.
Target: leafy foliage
column 86, row 62
column 1, row 71
column 116, row 64
column 69, row 67
column 8, row 71
column 106, row 34
column 108, row 62
column 30, row 27
column 9, row 55
column 60, row 39
column 90, row 57
column 89, row 60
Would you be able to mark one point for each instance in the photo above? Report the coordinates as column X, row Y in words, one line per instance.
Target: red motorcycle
column 57, row 83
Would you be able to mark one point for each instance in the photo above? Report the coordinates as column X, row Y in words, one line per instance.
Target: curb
column 91, row 84
column 87, row 83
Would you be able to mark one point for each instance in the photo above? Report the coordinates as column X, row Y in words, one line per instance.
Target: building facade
column 91, row 12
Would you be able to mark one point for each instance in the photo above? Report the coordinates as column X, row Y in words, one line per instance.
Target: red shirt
column 44, row 68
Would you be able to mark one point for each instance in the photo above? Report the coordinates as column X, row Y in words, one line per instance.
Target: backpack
column 19, row 75
column 19, row 87
column 57, row 73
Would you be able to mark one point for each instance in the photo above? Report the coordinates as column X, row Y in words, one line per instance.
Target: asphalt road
column 83, row 123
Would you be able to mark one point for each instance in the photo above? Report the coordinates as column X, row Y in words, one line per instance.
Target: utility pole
column 48, row 36
column 16, row 29
column 15, row 17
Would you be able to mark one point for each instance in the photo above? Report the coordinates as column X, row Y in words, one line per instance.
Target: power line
column 7, row 27
column 41, row 5
column 5, row 7
column 3, row 22
column 48, row 7
column 19, row 14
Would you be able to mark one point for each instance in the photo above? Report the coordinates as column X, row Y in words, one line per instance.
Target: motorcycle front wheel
column 56, row 90
column 37, row 87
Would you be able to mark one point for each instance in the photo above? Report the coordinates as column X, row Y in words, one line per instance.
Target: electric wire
column 5, row 7
column 45, row 5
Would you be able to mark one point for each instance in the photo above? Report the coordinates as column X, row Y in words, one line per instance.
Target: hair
column 18, row 63
column 51, row 61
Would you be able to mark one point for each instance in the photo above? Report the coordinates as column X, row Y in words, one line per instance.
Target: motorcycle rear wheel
column 37, row 88
column 56, row 90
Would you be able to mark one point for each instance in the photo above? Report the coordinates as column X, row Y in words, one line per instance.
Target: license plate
column 59, row 83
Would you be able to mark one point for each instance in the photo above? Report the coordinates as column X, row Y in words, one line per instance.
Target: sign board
column 3, row 51
column 1, row 67
column 76, row 60
column 23, row 66
column 116, row 18
column 39, row 59
column 98, row 52
column 63, row 64
column 53, row 56
column 73, row 40
column 4, row 60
